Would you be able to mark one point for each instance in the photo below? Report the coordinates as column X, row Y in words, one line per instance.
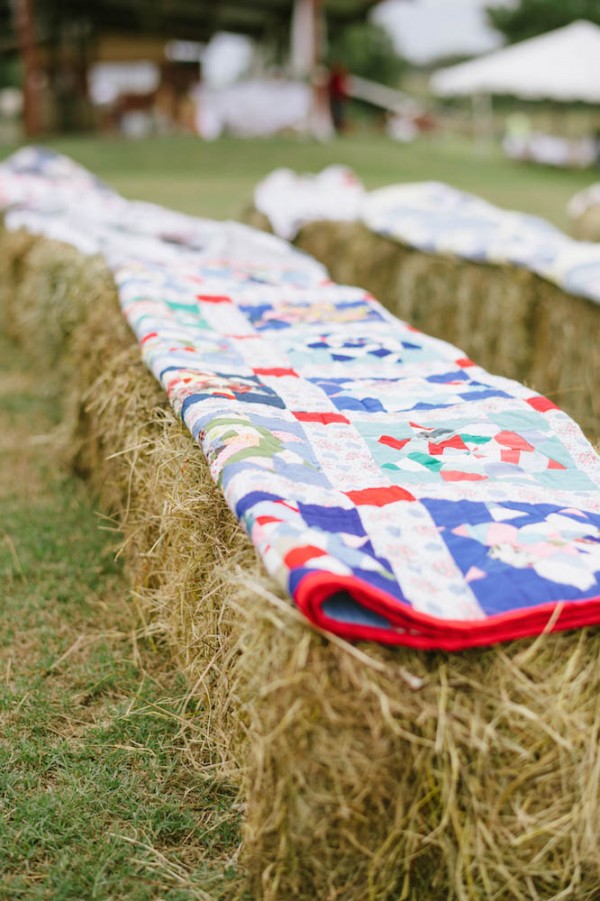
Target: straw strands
column 366, row 772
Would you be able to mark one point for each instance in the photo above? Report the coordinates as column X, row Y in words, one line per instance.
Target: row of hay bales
column 507, row 319
column 367, row 772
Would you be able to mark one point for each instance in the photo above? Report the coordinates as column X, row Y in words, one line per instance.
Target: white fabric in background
column 108, row 81
column 551, row 150
column 256, row 108
column 291, row 200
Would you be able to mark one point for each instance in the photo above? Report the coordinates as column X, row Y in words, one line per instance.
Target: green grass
column 217, row 179
column 98, row 797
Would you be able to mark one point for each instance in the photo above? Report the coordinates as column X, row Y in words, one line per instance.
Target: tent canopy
column 560, row 65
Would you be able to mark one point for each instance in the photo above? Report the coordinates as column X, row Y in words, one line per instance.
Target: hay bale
column 586, row 225
column 47, row 293
column 255, row 219
column 15, row 248
column 565, row 362
column 367, row 772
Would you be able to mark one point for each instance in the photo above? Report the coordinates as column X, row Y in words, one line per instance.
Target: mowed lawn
column 217, row 179
column 105, row 791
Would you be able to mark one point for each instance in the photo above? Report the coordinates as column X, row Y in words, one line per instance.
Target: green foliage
column 367, row 50
column 532, row 17
column 10, row 72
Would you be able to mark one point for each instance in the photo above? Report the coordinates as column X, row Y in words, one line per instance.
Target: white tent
column 560, row 65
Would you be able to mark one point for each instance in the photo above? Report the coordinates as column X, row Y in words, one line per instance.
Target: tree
column 529, row 18
column 367, row 50
column 10, row 72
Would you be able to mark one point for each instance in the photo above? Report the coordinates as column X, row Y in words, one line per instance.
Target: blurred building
column 61, row 44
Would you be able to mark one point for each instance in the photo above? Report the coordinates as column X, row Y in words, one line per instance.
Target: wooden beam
column 26, row 35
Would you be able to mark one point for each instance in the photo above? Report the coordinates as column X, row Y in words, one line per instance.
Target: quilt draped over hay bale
column 510, row 320
column 514, row 292
column 368, row 772
column 397, row 491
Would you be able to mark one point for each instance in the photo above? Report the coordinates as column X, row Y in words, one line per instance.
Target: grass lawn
column 216, row 179
column 103, row 791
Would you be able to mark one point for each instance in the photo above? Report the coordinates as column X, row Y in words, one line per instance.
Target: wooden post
column 483, row 122
column 302, row 49
column 25, row 21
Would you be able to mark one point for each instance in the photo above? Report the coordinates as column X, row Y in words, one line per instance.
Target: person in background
column 337, row 88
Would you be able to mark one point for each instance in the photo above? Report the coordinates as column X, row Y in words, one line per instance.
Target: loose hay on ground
column 366, row 772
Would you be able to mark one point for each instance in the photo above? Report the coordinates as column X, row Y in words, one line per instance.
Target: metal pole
column 25, row 22
column 483, row 122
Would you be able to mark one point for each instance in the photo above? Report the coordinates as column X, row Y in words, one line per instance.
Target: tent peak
column 563, row 64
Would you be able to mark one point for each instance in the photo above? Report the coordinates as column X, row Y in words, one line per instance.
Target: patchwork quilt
column 436, row 218
column 394, row 488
